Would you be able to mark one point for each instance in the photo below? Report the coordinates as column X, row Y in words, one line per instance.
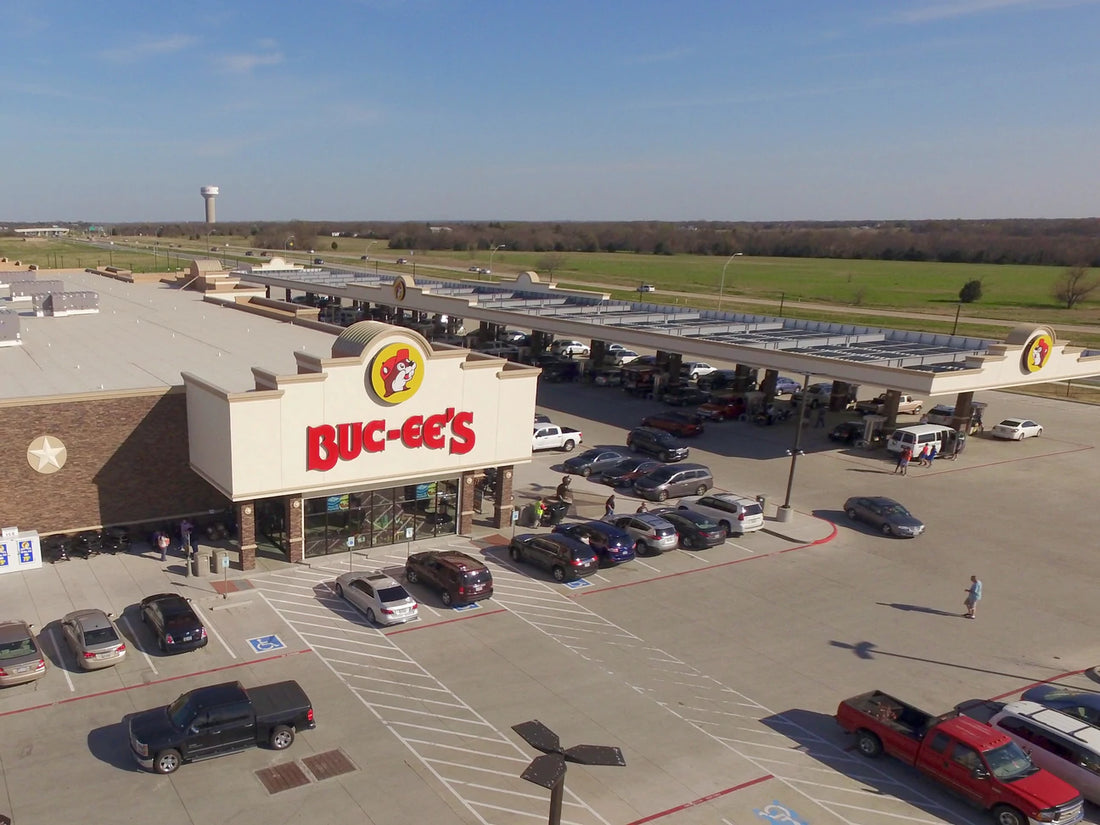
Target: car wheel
column 629, row 444
column 339, row 590
column 701, row 490
column 886, row 531
column 725, row 526
column 917, row 411
column 586, row 472
column 868, row 744
column 570, row 446
column 688, row 543
column 446, row 598
column 852, row 514
column 666, row 457
column 162, row 645
column 167, row 761
column 559, row 574
column 662, row 496
column 370, row 616
column 1020, row 437
column 410, row 576
column 1039, row 432
column 1004, row 815
column 514, row 553
column 282, row 737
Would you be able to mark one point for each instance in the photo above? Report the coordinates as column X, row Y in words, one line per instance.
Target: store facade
column 383, row 442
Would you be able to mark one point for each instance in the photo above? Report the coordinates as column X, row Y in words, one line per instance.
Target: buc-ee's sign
column 394, row 376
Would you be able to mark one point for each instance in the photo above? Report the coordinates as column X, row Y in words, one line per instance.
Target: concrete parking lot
column 715, row 671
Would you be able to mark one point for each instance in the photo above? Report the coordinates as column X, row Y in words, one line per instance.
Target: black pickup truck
column 216, row 720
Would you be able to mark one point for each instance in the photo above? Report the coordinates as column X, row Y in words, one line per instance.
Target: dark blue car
column 610, row 544
column 1080, row 703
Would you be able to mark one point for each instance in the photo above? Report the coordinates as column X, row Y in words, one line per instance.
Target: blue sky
column 570, row 110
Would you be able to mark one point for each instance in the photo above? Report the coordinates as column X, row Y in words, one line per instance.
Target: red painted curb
column 702, row 800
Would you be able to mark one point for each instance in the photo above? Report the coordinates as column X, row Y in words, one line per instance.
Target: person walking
column 609, row 506
column 906, row 457
column 539, row 510
column 642, row 508
column 162, row 543
column 565, row 494
column 932, row 455
column 185, row 537
column 973, row 596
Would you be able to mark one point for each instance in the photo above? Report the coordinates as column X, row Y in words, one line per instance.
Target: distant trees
column 550, row 263
column 1074, row 285
column 971, row 292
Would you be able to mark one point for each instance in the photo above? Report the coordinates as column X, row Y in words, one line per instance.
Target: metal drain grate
column 281, row 778
column 328, row 764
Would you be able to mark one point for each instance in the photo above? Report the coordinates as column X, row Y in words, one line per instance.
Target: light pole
column 722, row 287
column 492, row 251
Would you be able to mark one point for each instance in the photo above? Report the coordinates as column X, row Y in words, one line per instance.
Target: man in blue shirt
column 973, row 596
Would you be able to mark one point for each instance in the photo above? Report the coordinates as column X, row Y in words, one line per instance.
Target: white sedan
column 382, row 600
column 1016, row 429
column 697, row 369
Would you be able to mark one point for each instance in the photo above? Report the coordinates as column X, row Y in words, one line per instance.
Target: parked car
column 735, row 514
column 457, row 577
column 1081, row 704
column 817, row 395
column 658, row 443
column 174, row 622
column 607, row 377
column 677, row 423
column 673, row 480
column 722, row 379
column 541, row 418
column 381, row 599
column 847, row 432
column 622, row 356
column 685, row 396
column 610, row 544
column 696, row 530
column 21, row 658
column 696, row 369
column 723, row 409
column 93, row 638
column 1016, row 429
column 884, row 514
column 592, row 461
column 216, row 720
column 570, row 349
column 566, row 558
column 786, row 386
column 627, row 470
column 652, row 534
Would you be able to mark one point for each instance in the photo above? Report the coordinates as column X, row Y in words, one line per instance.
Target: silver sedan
column 93, row 639
column 381, row 599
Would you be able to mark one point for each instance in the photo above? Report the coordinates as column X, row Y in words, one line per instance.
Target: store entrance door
column 271, row 538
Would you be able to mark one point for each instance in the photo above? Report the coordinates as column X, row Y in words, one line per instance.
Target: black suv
column 459, row 579
column 664, row 446
column 566, row 558
column 174, row 621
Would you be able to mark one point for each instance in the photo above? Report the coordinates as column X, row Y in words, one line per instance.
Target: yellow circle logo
column 399, row 290
column 397, row 372
column 1037, row 352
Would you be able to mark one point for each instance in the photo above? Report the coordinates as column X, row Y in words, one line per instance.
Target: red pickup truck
column 980, row 764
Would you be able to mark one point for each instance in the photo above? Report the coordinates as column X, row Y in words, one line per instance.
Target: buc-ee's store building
column 383, row 441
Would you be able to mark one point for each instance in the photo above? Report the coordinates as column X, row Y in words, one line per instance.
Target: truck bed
column 892, row 713
column 280, row 702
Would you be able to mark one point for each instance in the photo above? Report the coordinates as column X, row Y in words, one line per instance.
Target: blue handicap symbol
column 779, row 814
column 265, row 644
column 463, row 607
column 573, row 585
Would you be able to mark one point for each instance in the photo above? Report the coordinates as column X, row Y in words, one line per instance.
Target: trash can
column 196, row 570
column 762, row 500
column 221, row 561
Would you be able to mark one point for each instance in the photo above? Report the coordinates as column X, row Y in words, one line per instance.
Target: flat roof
column 143, row 337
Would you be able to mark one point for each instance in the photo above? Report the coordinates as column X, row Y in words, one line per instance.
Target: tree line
column 1050, row 242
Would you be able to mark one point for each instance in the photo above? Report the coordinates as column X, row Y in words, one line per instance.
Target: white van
column 919, row 436
column 1066, row 746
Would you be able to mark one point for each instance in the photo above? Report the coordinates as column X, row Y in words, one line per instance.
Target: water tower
column 208, row 195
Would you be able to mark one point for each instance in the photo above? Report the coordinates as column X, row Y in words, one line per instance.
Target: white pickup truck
column 553, row 437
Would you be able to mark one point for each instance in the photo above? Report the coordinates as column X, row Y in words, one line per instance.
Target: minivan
column 674, row 480
column 1066, row 746
column 919, row 436
column 457, row 577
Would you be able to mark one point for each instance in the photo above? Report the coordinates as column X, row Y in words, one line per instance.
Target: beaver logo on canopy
column 397, row 372
column 1037, row 352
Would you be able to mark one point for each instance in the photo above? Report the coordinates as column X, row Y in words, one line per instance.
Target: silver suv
column 653, row 534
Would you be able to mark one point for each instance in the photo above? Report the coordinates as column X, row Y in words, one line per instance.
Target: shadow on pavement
column 918, row 608
column 111, row 744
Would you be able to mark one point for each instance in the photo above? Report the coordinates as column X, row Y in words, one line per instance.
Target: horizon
column 759, row 112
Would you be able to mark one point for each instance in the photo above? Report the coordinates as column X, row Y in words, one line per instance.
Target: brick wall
column 127, row 462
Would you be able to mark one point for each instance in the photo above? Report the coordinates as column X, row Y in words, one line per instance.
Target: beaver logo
column 396, row 373
column 1037, row 353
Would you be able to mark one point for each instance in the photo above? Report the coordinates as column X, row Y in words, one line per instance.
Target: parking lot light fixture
column 492, row 251
column 722, row 286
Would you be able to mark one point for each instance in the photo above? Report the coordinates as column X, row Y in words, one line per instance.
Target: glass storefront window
column 375, row 518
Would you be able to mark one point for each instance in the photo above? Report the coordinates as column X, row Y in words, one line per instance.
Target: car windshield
column 1009, row 762
column 100, row 636
column 896, row 509
column 660, row 475
column 392, row 594
column 16, row 648
column 589, row 455
column 180, row 712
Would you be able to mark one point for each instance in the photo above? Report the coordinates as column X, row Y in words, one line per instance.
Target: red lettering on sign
column 327, row 444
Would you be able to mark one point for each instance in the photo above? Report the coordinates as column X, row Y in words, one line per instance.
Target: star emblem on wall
column 47, row 454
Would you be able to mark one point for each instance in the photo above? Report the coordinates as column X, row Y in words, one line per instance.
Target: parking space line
column 133, row 636
column 218, row 636
column 60, row 662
